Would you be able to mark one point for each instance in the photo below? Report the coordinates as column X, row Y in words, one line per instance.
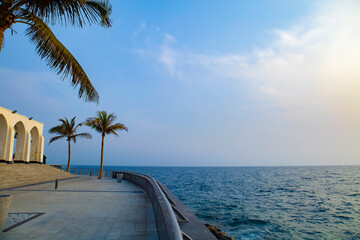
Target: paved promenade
column 82, row 208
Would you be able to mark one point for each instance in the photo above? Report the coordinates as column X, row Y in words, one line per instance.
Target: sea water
column 269, row 202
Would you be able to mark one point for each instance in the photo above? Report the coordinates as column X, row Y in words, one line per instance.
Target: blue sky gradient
column 204, row 83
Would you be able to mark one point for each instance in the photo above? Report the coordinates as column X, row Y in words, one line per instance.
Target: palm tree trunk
column 2, row 30
column 68, row 166
column 102, row 156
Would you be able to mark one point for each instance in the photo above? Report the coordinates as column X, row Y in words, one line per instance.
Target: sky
column 203, row 83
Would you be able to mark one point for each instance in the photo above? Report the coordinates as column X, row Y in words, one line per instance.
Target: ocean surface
column 269, row 202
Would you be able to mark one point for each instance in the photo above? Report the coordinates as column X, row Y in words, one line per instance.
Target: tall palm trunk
column 68, row 166
column 102, row 156
column 2, row 30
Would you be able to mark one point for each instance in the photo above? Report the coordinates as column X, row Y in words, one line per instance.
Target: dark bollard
column 56, row 183
column 91, row 173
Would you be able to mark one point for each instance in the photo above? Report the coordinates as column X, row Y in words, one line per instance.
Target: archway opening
column 3, row 135
column 34, row 147
column 19, row 142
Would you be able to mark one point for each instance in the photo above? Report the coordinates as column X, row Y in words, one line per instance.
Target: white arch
column 20, row 151
column 26, row 150
column 3, row 136
column 35, row 144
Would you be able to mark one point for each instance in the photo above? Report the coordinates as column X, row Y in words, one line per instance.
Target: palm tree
column 37, row 14
column 67, row 130
column 104, row 124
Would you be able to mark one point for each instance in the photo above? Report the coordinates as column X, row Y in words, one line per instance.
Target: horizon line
column 329, row 165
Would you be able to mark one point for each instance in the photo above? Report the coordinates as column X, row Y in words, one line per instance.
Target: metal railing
column 92, row 171
column 166, row 221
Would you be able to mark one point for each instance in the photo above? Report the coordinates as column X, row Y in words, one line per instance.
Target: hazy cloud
column 311, row 70
column 313, row 62
column 168, row 56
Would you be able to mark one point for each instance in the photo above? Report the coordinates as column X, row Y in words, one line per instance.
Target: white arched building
column 21, row 138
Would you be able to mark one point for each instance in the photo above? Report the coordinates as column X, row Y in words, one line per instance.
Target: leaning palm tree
column 37, row 14
column 68, row 130
column 104, row 124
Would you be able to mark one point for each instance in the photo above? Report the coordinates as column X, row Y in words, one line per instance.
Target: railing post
column 119, row 177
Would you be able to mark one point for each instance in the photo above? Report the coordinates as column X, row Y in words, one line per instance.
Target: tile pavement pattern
column 83, row 208
column 15, row 219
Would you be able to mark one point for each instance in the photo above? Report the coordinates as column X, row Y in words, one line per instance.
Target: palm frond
column 84, row 135
column 116, row 127
column 103, row 123
column 74, row 12
column 72, row 124
column 67, row 129
column 94, row 123
column 56, row 138
column 58, row 56
column 79, row 125
column 65, row 121
column 56, row 129
column 102, row 9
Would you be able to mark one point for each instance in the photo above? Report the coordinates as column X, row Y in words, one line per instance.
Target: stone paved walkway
column 82, row 208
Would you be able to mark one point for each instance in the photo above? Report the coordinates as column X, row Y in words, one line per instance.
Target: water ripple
column 270, row 202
